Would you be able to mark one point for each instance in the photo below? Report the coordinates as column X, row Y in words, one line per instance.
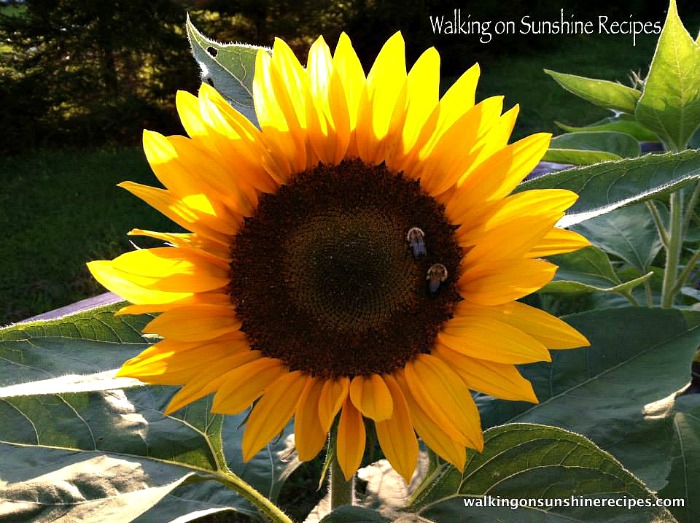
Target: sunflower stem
column 673, row 250
column 341, row 490
column 271, row 511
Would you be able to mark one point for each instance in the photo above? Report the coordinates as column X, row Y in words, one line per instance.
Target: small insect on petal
column 415, row 237
column 436, row 275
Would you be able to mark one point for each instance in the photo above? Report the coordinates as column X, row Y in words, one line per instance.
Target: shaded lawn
column 59, row 210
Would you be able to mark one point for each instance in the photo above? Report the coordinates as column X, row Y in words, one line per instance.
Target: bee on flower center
column 436, row 275
column 415, row 237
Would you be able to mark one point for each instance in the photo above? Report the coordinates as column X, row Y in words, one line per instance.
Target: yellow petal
column 422, row 94
column 240, row 387
column 558, row 241
column 201, row 246
column 495, row 379
column 371, row 397
column 239, row 143
column 352, row 79
column 444, row 397
column 276, row 130
column 188, row 110
column 333, row 396
column 522, row 235
column 309, row 435
column 396, row 436
column 350, row 445
column 485, row 338
column 211, row 298
column 431, row 432
column 207, row 381
column 119, row 283
column 545, row 328
column 450, row 151
column 385, row 83
column 171, row 269
column 274, row 410
column 503, row 281
column 459, row 98
column 543, row 202
column 195, row 323
column 166, row 357
column 179, row 211
column 512, row 163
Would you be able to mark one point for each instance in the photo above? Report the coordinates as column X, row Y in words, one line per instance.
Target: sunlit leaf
column 629, row 233
column 537, row 463
column 65, row 418
column 608, row 186
column 603, row 93
column 588, row 270
column 670, row 103
column 619, row 391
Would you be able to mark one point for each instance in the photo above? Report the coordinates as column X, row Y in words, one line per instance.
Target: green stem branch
column 659, row 222
column 690, row 211
column 649, row 295
column 673, row 250
column 686, row 272
column 271, row 511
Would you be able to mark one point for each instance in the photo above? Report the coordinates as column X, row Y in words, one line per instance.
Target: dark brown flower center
column 324, row 276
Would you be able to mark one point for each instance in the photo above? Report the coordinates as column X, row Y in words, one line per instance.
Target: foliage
column 622, row 430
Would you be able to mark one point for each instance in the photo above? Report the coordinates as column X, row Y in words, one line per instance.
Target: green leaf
column 229, row 68
column 539, row 463
column 578, row 157
column 685, row 467
column 351, row 514
column 588, row 270
column 592, row 147
column 603, row 93
column 629, row 233
column 50, row 484
column 608, row 186
column 670, row 103
column 60, row 425
column 619, row 144
column 622, row 123
column 610, row 392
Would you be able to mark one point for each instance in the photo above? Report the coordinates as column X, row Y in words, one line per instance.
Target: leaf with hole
column 229, row 68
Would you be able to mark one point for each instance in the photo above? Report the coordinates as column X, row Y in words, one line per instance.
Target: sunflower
column 357, row 257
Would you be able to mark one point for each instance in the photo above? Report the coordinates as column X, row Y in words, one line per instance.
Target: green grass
column 59, row 210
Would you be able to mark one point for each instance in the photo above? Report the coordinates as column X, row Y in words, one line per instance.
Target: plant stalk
column 341, row 491
column 673, row 250
column 271, row 511
column 686, row 272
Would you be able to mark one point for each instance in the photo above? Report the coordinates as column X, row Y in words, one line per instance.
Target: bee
column 436, row 275
column 415, row 237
